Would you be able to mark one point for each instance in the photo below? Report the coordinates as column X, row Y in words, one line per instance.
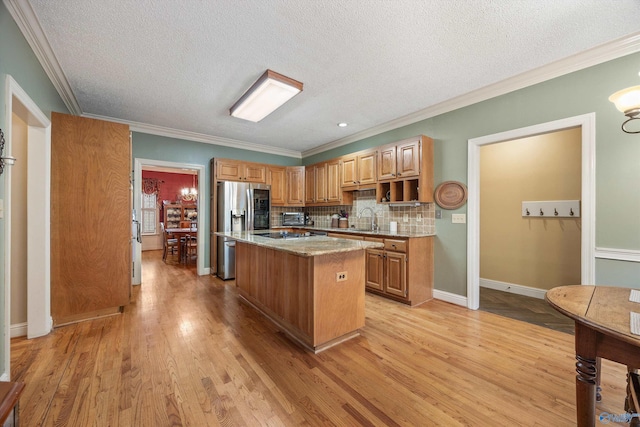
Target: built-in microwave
column 292, row 218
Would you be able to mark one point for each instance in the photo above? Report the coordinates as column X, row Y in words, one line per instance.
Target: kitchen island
column 312, row 287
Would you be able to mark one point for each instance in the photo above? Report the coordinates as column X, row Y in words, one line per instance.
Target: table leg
column 598, row 375
column 587, row 373
column 630, row 405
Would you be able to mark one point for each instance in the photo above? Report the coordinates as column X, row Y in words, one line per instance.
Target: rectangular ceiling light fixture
column 268, row 93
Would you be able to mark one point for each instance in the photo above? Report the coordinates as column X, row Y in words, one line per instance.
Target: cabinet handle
column 393, row 174
column 399, row 174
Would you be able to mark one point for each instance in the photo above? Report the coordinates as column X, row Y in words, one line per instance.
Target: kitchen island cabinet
column 311, row 287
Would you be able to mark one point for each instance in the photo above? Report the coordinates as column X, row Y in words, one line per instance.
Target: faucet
column 374, row 226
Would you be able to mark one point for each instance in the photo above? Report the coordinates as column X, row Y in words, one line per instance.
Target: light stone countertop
column 379, row 233
column 302, row 246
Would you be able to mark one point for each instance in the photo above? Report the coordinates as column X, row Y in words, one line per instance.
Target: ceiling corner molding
column 198, row 137
column 588, row 58
column 29, row 25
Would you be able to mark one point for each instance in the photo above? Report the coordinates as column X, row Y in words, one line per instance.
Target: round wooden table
column 601, row 315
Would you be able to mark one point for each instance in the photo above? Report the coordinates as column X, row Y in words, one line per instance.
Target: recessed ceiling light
column 342, row 124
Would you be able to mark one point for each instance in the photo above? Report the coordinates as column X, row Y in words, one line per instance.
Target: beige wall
column 18, row 221
column 534, row 252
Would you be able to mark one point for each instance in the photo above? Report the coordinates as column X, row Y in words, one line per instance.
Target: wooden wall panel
column 90, row 217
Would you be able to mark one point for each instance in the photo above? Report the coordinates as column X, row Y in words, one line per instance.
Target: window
column 149, row 213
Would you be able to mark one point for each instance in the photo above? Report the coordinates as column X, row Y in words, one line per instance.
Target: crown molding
column 198, row 137
column 29, row 25
column 588, row 58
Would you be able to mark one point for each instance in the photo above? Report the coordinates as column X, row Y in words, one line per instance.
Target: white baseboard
column 449, row 297
column 512, row 288
column 18, row 330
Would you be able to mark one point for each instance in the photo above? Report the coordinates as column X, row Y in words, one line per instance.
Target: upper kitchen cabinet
column 322, row 185
column 235, row 170
column 90, row 218
column 277, row 179
column 400, row 159
column 358, row 171
column 287, row 185
column 295, row 186
column 405, row 171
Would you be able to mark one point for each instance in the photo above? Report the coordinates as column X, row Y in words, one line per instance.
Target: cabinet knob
column 393, row 174
column 355, row 182
column 399, row 174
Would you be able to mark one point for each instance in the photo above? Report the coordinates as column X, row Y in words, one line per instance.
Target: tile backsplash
column 384, row 214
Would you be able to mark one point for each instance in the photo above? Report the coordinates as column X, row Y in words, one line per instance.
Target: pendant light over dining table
column 266, row 95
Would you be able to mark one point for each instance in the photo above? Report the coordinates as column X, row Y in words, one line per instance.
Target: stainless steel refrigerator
column 241, row 206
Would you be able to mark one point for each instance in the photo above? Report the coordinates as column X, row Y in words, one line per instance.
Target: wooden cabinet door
column 334, row 189
column 254, row 172
column 295, row 186
column 349, row 176
column 408, row 159
column 277, row 178
column 229, row 170
column 387, row 162
column 374, row 278
column 310, row 184
column 321, row 184
column 396, row 274
column 367, row 168
column 90, row 217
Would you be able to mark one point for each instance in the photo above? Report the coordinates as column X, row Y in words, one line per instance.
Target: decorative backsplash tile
column 420, row 219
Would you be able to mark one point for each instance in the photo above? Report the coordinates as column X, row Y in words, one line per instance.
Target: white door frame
column 39, row 321
column 137, row 196
column 587, row 122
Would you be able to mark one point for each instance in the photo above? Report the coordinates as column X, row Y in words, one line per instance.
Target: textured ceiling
column 182, row 64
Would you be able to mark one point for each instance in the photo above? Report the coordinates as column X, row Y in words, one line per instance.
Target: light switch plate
column 459, row 218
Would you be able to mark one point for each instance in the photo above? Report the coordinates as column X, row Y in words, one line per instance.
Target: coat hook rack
column 560, row 208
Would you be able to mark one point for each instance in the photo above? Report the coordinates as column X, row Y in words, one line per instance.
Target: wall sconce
column 266, row 95
column 628, row 101
column 4, row 160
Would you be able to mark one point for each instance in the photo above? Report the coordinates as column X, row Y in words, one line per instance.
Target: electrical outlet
column 405, row 218
column 438, row 214
column 419, row 217
column 341, row 276
column 459, row 218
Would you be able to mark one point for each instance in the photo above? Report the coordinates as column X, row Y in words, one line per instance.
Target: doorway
column 587, row 125
column 34, row 130
column 141, row 164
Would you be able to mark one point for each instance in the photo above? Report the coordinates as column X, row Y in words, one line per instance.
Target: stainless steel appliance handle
column 250, row 209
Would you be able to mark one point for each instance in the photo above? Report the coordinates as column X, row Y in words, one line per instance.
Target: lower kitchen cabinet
column 402, row 271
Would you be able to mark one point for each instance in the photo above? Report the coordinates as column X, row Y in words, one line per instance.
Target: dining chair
column 191, row 248
column 170, row 243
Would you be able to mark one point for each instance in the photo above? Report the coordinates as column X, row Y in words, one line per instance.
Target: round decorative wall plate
column 451, row 194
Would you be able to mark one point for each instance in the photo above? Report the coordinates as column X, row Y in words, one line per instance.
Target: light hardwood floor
column 186, row 352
